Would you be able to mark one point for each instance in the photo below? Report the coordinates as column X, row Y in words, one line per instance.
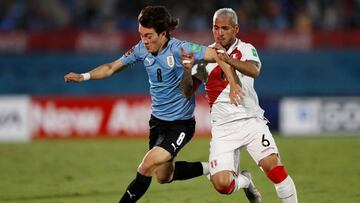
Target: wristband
column 86, row 76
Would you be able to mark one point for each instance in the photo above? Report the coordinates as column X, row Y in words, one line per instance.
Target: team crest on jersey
column 236, row 55
column 170, row 61
column 213, row 163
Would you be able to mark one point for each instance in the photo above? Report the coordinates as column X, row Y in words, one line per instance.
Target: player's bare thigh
column 262, row 146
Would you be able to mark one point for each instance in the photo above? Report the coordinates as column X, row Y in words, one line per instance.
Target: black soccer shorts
column 170, row 135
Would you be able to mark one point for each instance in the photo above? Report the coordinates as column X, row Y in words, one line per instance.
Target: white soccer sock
column 286, row 191
column 205, row 166
column 241, row 181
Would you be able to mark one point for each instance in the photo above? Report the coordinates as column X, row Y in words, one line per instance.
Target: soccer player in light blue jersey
column 172, row 122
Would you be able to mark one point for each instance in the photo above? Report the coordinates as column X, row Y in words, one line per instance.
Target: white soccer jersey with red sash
column 217, row 87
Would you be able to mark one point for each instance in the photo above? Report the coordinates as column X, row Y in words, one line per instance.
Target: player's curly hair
column 159, row 18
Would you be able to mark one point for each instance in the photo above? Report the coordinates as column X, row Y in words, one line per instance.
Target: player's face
column 224, row 31
column 151, row 40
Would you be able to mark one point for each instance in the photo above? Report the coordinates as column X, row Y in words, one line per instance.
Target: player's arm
column 236, row 93
column 100, row 72
column 188, row 84
column 250, row 67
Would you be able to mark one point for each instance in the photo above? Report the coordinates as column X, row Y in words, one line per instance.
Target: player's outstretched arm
column 100, row 72
column 236, row 93
column 188, row 84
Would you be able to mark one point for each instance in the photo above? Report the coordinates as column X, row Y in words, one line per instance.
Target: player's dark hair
column 159, row 18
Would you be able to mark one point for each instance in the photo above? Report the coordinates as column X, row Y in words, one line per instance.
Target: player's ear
column 163, row 34
column 237, row 28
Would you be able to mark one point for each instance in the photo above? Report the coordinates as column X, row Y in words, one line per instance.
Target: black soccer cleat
column 251, row 192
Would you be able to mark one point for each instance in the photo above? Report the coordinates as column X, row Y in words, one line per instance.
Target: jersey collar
column 233, row 46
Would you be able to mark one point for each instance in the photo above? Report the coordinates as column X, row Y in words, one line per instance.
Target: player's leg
column 164, row 172
column 176, row 135
column 226, row 179
column 137, row 188
column 180, row 170
column 166, row 140
column 264, row 151
column 224, row 160
column 159, row 161
column 227, row 182
column 284, row 185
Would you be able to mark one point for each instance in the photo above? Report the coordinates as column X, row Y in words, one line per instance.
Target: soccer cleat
column 251, row 192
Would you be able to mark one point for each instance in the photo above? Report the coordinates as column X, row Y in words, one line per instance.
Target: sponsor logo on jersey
column 148, row 61
column 170, row 61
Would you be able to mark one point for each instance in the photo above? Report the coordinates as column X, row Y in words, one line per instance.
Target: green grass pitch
column 325, row 170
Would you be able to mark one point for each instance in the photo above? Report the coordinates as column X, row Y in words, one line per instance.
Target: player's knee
column 163, row 180
column 164, row 173
column 223, row 184
column 146, row 167
column 269, row 162
column 225, row 188
column 163, row 177
column 277, row 174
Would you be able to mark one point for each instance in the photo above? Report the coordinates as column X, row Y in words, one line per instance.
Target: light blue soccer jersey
column 165, row 72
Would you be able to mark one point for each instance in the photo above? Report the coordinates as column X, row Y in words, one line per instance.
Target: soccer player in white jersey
column 236, row 127
column 172, row 122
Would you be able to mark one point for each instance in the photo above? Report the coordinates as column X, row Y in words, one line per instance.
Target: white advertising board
column 14, row 118
column 320, row 115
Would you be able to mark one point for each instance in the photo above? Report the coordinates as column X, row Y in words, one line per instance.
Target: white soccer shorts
column 229, row 138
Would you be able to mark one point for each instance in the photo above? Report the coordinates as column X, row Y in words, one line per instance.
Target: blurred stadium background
column 309, row 85
column 308, row 49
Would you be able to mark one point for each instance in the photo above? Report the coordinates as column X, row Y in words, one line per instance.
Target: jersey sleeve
column 197, row 49
column 131, row 56
column 250, row 54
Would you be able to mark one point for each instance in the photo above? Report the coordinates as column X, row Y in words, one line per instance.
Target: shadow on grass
column 66, row 195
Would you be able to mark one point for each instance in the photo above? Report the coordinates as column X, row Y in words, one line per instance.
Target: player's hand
column 221, row 52
column 236, row 94
column 73, row 77
column 187, row 59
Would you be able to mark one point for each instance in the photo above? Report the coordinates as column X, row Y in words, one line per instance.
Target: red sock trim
column 231, row 187
column 277, row 174
column 228, row 190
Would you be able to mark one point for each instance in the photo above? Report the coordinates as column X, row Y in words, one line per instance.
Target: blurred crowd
column 260, row 15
